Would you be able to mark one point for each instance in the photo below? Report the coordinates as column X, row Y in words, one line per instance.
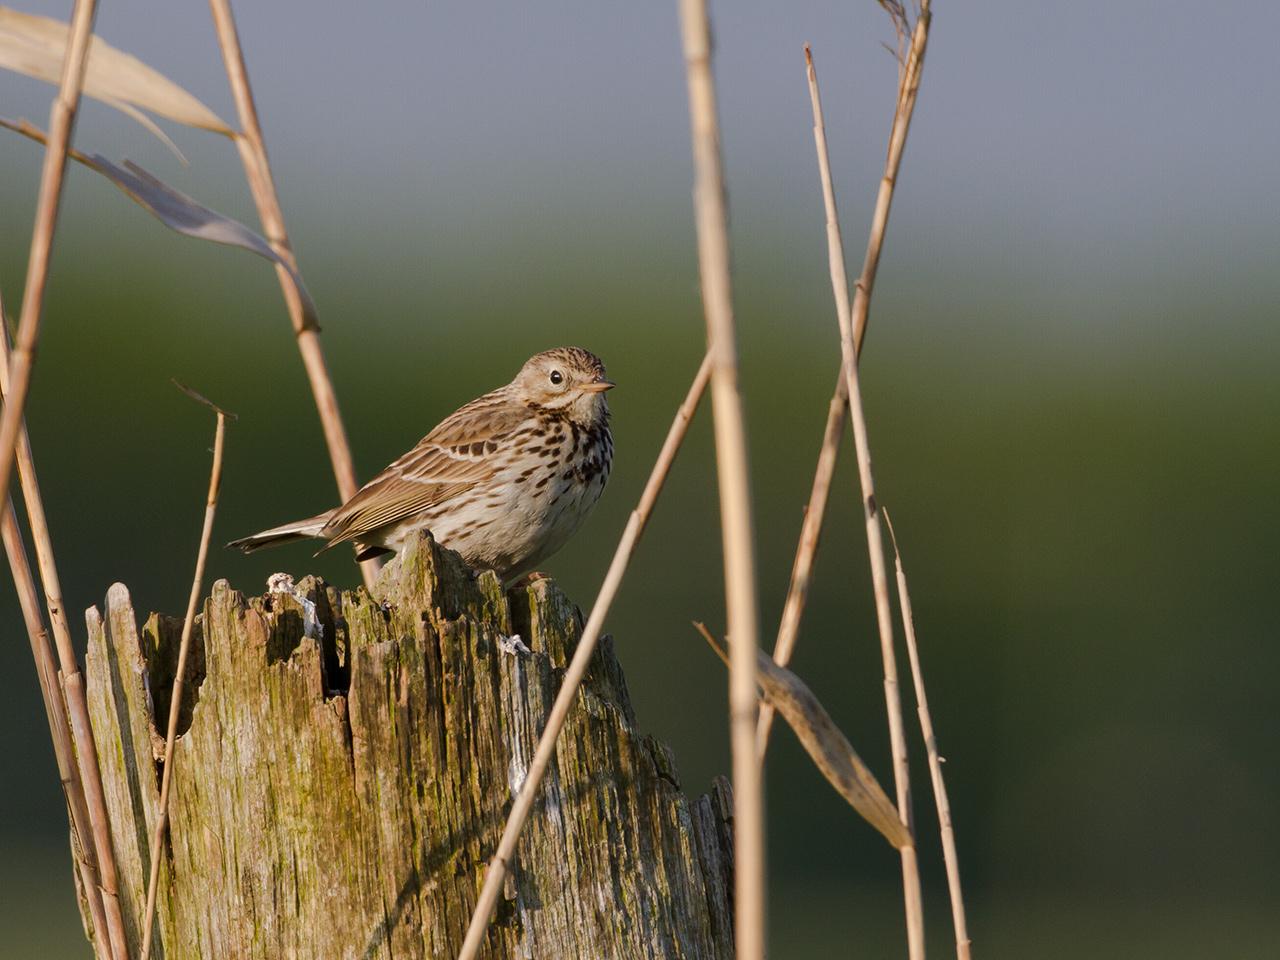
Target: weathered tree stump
column 346, row 764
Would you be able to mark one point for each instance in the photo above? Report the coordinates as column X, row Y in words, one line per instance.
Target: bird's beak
column 599, row 385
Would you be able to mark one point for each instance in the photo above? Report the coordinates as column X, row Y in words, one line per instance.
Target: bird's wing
column 450, row 460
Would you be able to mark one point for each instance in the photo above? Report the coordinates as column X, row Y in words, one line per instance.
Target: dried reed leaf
column 178, row 211
column 826, row 744
column 830, row 749
column 34, row 46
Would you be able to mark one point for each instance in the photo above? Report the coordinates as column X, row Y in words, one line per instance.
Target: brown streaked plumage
column 504, row 480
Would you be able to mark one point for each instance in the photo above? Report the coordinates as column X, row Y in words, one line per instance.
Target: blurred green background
column 1070, row 378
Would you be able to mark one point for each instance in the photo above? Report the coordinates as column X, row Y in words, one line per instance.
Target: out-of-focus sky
column 1068, row 137
column 1070, row 378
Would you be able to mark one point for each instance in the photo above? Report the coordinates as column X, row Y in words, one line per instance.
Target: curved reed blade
column 826, row 744
column 831, row 750
column 179, row 212
column 34, row 46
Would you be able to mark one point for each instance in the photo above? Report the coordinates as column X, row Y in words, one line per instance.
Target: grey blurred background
column 1070, row 380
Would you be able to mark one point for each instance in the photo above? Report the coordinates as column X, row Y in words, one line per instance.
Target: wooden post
column 346, row 763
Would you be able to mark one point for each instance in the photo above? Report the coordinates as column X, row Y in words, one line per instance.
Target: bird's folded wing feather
column 453, row 458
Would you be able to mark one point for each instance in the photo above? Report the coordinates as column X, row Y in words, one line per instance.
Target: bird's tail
column 286, row 533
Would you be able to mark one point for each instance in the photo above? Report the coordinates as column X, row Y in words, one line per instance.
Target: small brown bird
column 504, row 480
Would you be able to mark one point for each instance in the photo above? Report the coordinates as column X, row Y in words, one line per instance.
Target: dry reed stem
column 253, row 155
column 892, row 696
column 875, row 544
column 811, row 528
column 62, row 116
column 56, row 711
column 711, row 220
column 179, row 678
column 908, row 90
column 949, row 854
column 90, row 824
column 577, row 669
column 806, row 549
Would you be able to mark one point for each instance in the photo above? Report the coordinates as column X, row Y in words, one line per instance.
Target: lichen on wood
column 346, row 763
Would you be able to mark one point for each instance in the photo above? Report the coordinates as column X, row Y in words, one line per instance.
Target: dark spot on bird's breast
column 542, row 483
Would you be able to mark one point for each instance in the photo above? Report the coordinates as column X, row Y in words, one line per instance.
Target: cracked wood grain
column 341, row 779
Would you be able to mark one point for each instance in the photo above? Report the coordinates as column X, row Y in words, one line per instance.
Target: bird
column 504, row 480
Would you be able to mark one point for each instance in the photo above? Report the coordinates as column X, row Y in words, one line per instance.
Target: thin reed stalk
column 63, row 749
column 87, row 806
column 806, row 549
column 577, row 669
column 908, row 90
column 34, row 502
column 180, row 673
column 62, row 116
column 54, row 696
column 711, row 219
column 19, row 368
column 253, row 155
column 892, row 696
column 875, row 545
column 949, row 855
column 811, row 528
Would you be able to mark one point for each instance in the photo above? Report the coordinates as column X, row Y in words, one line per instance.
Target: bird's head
column 569, row 380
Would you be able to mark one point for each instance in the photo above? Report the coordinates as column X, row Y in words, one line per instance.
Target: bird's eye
column 557, row 377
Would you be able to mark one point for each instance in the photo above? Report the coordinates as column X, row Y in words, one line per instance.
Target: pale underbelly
column 511, row 528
